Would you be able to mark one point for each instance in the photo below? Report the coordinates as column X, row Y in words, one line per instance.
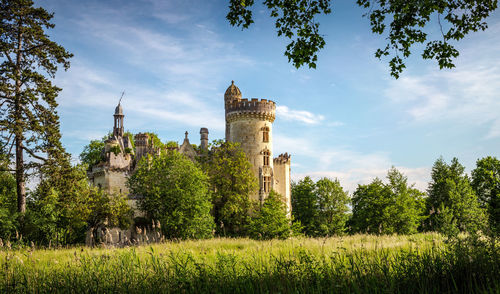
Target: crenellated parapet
column 254, row 108
column 282, row 159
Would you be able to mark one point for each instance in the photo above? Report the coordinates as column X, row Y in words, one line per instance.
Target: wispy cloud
column 351, row 167
column 468, row 93
column 298, row 115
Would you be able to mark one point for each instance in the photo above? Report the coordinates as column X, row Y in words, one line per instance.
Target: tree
column 8, row 201
column 305, row 205
column 65, row 206
column 486, row 184
column 232, row 183
column 404, row 21
column 270, row 221
column 175, row 192
column 369, row 203
column 395, row 207
column 407, row 207
column 332, row 207
column 92, row 153
column 28, row 99
column 450, row 189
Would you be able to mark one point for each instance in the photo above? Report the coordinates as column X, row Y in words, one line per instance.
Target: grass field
column 355, row 264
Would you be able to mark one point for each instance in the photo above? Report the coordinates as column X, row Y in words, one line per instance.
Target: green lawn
column 354, row 264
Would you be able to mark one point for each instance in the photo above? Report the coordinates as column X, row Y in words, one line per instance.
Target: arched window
column 265, row 134
column 266, row 155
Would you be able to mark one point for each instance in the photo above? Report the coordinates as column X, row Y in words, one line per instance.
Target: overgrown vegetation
column 357, row 264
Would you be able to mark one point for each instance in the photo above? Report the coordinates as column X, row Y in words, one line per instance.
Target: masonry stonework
column 248, row 122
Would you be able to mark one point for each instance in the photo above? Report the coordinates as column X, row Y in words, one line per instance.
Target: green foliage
column 64, row 206
column 172, row 144
column 175, row 192
column 304, row 205
column 8, row 204
column 405, row 22
column 270, row 221
column 486, row 184
column 155, row 140
column 395, row 207
column 332, row 207
column 232, row 183
column 450, row 188
column 321, row 207
column 115, row 149
column 29, row 62
column 92, row 153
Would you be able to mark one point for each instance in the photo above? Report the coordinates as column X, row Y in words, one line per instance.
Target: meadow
column 422, row 263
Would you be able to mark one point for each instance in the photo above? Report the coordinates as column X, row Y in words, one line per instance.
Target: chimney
column 204, row 138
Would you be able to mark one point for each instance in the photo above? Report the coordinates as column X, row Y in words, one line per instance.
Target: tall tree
column 369, row 208
column 395, row 207
column 270, row 220
column 450, row 191
column 407, row 207
column 305, row 205
column 332, row 206
column 486, row 183
column 406, row 23
column 232, row 183
column 29, row 120
column 175, row 192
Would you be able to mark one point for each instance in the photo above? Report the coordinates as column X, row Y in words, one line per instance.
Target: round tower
column 250, row 123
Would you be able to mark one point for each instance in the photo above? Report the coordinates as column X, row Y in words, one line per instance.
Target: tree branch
column 34, row 155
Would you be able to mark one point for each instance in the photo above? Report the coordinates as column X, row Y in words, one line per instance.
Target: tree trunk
column 21, row 190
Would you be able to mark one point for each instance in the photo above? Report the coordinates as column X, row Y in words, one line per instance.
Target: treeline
column 453, row 203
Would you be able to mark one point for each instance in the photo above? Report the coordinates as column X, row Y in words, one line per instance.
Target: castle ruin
column 249, row 122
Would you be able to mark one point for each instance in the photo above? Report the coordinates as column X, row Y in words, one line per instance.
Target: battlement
column 282, row 158
column 141, row 139
column 254, row 107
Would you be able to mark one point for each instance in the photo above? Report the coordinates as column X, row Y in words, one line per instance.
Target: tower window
column 267, row 184
column 265, row 134
column 266, row 156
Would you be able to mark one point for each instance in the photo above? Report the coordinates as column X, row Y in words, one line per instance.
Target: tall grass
column 355, row 264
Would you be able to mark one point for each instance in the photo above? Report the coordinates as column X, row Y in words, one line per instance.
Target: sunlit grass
column 359, row 263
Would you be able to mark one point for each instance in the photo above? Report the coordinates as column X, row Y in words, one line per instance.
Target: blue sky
column 347, row 119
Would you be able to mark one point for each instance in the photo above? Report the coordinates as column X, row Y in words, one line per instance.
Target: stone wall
column 282, row 181
column 249, row 133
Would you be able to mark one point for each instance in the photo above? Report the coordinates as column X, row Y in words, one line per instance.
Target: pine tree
column 28, row 98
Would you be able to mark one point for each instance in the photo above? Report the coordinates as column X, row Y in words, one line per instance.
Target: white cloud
column 468, row 93
column 351, row 167
column 298, row 115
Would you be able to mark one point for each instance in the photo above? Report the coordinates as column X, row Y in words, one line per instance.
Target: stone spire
column 118, row 126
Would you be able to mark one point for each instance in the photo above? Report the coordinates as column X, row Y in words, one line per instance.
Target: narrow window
column 266, row 157
column 265, row 134
column 267, row 184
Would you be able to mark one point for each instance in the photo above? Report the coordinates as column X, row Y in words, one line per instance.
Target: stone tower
column 250, row 123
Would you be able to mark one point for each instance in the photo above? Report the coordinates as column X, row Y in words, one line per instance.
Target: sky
column 347, row 119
